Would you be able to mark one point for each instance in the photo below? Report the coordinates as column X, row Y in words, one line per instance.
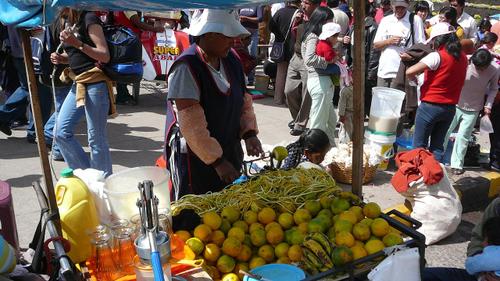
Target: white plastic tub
column 121, row 189
column 385, row 110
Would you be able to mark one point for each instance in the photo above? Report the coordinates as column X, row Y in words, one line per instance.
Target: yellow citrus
column 303, row 227
column 342, row 225
column 237, row 233
column 358, row 252
column 266, row 215
column 272, row 225
column 326, row 213
column 230, row 277
column 372, row 210
column 358, row 211
column 281, row 250
column 203, row 232
column 211, row 253
column 367, row 221
column 283, row 260
column 344, row 238
column 232, row 247
column 245, row 254
column 286, row 220
column 231, row 214
column 339, row 205
column 361, row 231
column 275, row 235
column 241, row 224
column 225, row 264
column 255, row 226
column 258, row 237
column 196, row 245
column 348, row 216
column 295, row 253
column 248, row 240
column 225, row 226
column 218, row 237
column 358, row 243
column 294, row 236
column 313, row 207
column 183, row 235
column 301, row 215
column 374, row 246
column 250, row 217
column 380, row 227
column 341, row 255
column 266, row 252
column 256, row 262
column 392, row 239
column 212, row 219
column 325, row 202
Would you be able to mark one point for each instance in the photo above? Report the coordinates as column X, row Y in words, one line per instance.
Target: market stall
column 279, row 193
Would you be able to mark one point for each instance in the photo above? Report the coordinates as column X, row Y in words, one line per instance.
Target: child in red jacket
column 327, row 40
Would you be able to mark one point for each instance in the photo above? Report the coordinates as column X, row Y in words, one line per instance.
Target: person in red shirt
column 327, row 39
column 444, row 71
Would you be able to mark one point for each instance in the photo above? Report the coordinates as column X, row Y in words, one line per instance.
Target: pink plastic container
column 8, row 227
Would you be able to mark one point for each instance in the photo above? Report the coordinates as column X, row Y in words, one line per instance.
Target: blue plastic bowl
column 277, row 272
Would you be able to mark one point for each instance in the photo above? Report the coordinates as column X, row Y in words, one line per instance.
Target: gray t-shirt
column 182, row 85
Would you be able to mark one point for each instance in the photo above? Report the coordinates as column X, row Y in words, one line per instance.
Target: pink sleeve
column 248, row 121
column 193, row 127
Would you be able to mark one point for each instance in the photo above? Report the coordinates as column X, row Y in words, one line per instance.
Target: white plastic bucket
column 383, row 146
column 385, row 110
column 121, row 189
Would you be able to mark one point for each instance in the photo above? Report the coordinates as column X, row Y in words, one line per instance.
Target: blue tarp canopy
column 32, row 13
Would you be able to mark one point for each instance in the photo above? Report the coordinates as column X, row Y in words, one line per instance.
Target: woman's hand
column 69, row 38
column 226, row 171
column 254, row 147
column 347, row 40
column 487, row 111
column 56, row 58
column 405, row 57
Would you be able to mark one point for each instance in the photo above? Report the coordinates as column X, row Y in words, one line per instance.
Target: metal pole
column 37, row 119
column 359, row 95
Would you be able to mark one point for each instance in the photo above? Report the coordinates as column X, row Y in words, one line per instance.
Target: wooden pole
column 359, row 96
column 37, row 119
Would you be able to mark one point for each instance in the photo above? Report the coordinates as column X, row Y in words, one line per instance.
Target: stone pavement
column 136, row 139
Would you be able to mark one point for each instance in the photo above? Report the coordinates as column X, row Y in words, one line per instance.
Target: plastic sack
column 95, row 181
column 485, row 125
column 343, row 135
column 405, row 262
column 437, row 207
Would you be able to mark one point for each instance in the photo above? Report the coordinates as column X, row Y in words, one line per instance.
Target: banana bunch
column 316, row 253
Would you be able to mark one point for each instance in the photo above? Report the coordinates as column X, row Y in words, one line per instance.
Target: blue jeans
column 446, row 274
column 253, row 49
column 61, row 93
column 15, row 106
column 45, row 98
column 432, row 121
column 96, row 113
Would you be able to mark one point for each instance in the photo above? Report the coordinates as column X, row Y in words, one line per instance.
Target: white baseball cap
column 225, row 22
column 440, row 28
column 329, row 29
column 401, row 3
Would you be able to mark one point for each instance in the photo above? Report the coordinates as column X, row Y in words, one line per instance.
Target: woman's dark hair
column 450, row 42
column 314, row 140
column 421, row 6
column 485, row 23
column 450, row 14
column 489, row 37
column 371, row 9
column 318, row 18
column 491, row 231
column 481, row 58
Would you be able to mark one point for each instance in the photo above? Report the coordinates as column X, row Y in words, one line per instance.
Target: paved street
column 136, row 139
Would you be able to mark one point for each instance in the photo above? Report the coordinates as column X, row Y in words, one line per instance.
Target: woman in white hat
column 445, row 70
column 213, row 111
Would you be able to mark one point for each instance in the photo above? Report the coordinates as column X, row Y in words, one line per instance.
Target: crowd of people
column 408, row 46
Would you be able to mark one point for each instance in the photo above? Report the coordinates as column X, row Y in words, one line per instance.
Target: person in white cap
column 395, row 34
column 437, row 95
column 213, row 111
column 326, row 44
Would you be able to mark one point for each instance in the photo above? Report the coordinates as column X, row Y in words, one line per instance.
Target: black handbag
column 278, row 49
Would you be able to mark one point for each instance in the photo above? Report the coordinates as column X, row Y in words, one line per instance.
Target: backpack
column 125, row 49
column 41, row 46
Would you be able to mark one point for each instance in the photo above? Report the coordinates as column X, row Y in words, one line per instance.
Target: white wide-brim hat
column 225, row 22
column 328, row 30
column 440, row 28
